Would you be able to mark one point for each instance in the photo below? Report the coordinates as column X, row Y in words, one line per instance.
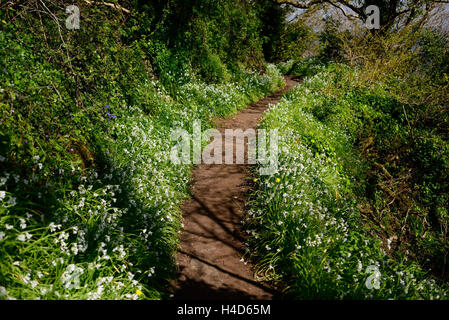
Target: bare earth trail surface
column 212, row 242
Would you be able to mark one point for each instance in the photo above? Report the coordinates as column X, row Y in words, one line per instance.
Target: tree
column 272, row 26
column 392, row 12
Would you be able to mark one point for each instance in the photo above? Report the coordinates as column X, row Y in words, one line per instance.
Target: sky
column 442, row 12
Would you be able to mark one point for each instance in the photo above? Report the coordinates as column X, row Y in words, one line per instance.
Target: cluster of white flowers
column 302, row 217
column 71, row 277
column 118, row 223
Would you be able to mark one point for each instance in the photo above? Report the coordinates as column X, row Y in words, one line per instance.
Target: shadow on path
column 212, row 242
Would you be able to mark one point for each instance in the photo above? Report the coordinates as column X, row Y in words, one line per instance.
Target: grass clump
column 89, row 199
column 325, row 225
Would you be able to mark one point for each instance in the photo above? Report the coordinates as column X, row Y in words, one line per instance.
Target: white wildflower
column 70, row 277
column 24, row 236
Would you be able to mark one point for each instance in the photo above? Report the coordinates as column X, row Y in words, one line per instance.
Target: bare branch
column 357, row 10
column 301, row 5
column 112, row 5
column 308, row 4
column 347, row 15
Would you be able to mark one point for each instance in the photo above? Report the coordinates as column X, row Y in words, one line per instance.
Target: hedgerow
column 89, row 199
column 309, row 226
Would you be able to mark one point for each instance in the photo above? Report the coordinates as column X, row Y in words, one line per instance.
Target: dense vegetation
column 362, row 188
column 89, row 198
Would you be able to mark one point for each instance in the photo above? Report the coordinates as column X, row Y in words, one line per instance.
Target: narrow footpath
column 212, row 242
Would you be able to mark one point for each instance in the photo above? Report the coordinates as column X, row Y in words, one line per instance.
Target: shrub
column 89, row 201
column 313, row 229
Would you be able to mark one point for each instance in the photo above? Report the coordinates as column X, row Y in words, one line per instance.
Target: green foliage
column 305, row 68
column 272, row 17
column 89, row 199
column 337, row 205
column 434, row 55
column 215, row 35
column 331, row 42
column 295, row 40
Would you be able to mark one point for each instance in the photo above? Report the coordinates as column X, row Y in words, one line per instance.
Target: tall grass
column 308, row 230
column 89, row 199
column 109, row 231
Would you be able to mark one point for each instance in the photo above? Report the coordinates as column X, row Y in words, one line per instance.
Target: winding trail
column 212, row 242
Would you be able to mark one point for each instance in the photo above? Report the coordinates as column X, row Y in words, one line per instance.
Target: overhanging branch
column 112, row 5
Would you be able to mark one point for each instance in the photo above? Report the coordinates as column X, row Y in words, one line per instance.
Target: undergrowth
column 89, row 199
column 324, row 226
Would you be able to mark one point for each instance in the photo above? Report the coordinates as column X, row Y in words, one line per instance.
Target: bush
column 320, row 227
column 89, row 201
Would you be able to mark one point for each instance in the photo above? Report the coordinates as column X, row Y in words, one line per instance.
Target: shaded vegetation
column 89, row 197
column 364, row 171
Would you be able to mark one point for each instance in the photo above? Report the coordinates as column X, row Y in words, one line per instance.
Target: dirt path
column 212, row 242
